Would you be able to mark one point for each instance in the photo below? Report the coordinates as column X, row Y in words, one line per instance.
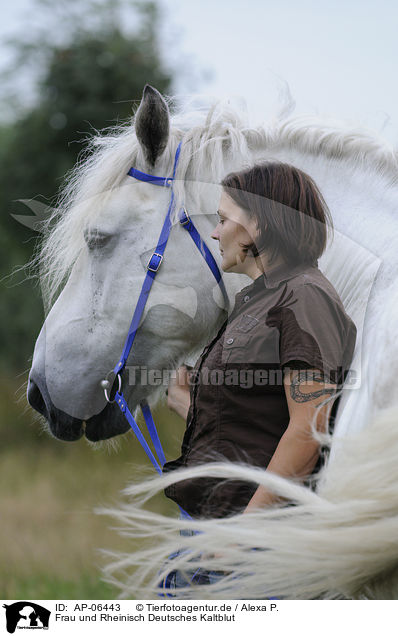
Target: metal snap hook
column 107, row 384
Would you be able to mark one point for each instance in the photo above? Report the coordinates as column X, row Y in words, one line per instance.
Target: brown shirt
column 289, row 317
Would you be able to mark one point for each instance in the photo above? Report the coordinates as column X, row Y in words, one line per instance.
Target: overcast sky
column 338, row 57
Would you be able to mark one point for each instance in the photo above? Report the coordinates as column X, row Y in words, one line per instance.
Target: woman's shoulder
column 312, row 282
column 313, row 293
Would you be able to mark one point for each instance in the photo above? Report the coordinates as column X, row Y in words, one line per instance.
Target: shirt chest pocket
column 258, row 348
column 236, row 348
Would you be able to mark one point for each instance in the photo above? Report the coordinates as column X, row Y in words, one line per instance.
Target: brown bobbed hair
column 291, row 215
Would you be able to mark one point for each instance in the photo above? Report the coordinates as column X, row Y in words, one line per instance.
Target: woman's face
column 234, row 228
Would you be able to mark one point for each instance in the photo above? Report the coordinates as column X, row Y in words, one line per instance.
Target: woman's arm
column 178, row 398
column 297, row 451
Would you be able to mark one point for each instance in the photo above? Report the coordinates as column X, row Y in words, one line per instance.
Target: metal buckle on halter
column 107, row 384
column 154, row 262
column 185, row 219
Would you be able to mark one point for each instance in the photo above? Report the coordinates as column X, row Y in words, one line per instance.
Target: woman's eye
column 96, row 240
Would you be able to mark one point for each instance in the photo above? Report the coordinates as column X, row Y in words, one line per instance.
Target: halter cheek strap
column 152, row 267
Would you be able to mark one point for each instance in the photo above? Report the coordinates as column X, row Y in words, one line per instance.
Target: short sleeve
column 313, row 327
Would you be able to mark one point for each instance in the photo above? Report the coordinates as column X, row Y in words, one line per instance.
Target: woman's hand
column 178, row 398
column 216, row 556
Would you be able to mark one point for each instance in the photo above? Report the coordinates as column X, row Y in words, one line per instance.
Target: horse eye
column 95, row 239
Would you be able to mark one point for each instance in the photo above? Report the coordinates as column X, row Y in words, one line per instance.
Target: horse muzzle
column 62, row 425
column 109, row 423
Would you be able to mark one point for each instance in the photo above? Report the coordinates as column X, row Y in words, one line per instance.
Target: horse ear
column 152, row 124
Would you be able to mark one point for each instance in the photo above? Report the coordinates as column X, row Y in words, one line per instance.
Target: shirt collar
column 279, row 274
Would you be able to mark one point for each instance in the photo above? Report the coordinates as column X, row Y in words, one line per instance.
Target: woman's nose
column 215, row 235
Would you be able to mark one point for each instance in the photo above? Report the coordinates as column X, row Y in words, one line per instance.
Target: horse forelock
column 211, row 141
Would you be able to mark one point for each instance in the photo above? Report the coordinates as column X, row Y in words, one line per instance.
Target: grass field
column 50, row 536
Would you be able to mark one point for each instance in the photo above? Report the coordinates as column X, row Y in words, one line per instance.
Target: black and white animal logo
column 26, row 615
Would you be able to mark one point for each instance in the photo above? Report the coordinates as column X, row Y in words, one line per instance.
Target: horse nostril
column 62, row 425
column 35, row 398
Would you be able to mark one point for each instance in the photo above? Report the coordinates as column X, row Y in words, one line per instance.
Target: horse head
column 101, row 241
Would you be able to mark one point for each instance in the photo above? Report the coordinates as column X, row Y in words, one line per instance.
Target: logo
column 26, row 615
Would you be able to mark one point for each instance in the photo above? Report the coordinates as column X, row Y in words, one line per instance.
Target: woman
column 273, row 369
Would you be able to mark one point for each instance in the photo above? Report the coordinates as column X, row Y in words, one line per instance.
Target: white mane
column 208, row 139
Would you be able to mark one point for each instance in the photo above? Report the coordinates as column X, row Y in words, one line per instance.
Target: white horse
column 334, row 543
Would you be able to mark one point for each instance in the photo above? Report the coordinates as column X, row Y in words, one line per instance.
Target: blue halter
column 152, row 269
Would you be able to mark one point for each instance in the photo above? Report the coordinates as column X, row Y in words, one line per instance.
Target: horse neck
column 361, row 263
column 362, row 201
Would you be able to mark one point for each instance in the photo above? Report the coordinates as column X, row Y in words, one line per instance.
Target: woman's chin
column 229, row 267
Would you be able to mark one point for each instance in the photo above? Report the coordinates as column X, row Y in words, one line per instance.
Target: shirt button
column 230, row 340
column 246, row 298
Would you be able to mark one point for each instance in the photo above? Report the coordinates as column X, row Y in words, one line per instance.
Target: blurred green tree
column 89, row 69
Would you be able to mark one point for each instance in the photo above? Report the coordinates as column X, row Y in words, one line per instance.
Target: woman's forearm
column 295, row 457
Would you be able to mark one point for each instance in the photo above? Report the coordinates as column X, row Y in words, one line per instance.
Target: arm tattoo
column 308, row 375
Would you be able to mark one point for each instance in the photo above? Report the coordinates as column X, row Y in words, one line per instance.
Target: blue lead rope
column 151, row 426
column 122, row 404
